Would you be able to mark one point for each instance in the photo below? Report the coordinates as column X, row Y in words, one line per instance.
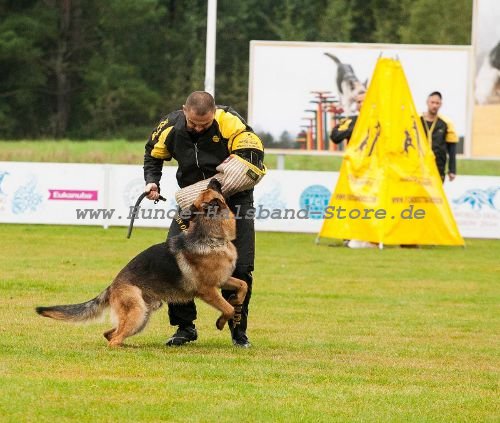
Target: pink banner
column 72, row 195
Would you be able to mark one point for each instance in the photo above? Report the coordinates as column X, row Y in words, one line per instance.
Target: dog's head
column 211, row 212
column 211, row 201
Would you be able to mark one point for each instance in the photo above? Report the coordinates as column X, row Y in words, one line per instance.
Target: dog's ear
column 215, row 185
column 188, row 214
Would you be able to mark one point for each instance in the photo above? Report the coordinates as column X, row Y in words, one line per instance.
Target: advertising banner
column 285, row 201
column 292, row 201
column 50, row 192
column 127, row 183
column 475, row 202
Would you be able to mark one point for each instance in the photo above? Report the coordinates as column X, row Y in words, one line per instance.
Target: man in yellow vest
column 441, row 135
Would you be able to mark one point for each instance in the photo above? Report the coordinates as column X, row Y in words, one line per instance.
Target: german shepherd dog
column 195, row 263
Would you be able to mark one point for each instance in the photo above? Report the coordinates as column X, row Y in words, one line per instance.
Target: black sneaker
column 242, row 342
column 182, row 336
column 240, row 338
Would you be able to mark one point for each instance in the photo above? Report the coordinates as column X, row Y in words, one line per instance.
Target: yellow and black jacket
column 343, row 130
column 198, row 155
column 443, row 139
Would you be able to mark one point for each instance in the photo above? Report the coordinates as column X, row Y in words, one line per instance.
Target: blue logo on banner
column 477, row 198
column 3, row 174
column 315, row 198
column 26, row 198
column 270, row 200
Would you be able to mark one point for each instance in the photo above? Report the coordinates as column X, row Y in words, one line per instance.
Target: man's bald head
column 200, row 102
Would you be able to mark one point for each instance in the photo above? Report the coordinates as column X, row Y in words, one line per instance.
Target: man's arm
column 452, row 159
column 155, row 152
column 241, row 171
column 343, row 130
column 249, row 147
column 244, row 168
column 242, row 140
column 152, row 167
column 451, row 139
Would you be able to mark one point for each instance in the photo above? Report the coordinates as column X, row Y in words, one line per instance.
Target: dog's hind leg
column 133, row 322
column 132, row 314
column 213, row 297
column 109, row 334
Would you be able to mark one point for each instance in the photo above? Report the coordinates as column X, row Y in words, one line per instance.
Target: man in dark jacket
column 441, row 136
column 343, row 130
column 200, row 137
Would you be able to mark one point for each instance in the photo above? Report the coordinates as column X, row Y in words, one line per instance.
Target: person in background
column 343, row 131
column 209, row 141
column 441, row 136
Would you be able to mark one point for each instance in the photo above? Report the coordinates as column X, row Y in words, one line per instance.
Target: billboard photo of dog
column 487, row 87
column 195, row 263
column 348, row 85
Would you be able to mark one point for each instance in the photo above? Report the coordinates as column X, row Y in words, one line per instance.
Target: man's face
column 197, row 123
column 433, row 104
column 359, row 100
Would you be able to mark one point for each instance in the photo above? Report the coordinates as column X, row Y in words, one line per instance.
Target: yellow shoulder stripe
column 451, row 134
column 246, row 140
column 344, row 124
column 160, row 149
column 230, row 125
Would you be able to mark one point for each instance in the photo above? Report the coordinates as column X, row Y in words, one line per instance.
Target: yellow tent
column 389, row 190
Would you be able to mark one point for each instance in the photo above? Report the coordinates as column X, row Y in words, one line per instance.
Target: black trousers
column 185, row 314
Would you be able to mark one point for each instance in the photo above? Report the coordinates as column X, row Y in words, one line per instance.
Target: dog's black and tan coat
column 196, row 263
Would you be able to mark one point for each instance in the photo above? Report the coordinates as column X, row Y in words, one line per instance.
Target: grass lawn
column 338, row 335
column 128, row 152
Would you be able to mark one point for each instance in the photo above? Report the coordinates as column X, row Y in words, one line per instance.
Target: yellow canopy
column 389, row 190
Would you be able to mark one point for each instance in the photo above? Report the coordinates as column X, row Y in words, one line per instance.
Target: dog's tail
column 89, row 310
column 334, row 58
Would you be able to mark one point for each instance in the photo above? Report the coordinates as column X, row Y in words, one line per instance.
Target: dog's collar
column 214, row 243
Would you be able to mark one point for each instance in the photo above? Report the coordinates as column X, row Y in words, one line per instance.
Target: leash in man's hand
column 136, row 208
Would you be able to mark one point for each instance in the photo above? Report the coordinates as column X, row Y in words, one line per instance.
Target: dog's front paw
column 220, row 323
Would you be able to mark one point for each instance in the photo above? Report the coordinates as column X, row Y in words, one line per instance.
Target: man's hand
column 451, row 176
column 152, row 189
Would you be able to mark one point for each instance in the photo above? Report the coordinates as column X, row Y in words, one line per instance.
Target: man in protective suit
column 209, row 141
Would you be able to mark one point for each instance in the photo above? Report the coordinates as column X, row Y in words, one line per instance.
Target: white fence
column 85, row 194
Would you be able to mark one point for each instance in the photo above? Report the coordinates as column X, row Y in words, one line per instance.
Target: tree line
column 85, row 69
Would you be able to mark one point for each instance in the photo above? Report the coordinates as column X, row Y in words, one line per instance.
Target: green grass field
column 338, row 335
column 127, row 152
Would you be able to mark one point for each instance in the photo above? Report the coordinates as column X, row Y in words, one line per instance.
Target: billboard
column 486, row 41
column 287, row 80
column 49, row 192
